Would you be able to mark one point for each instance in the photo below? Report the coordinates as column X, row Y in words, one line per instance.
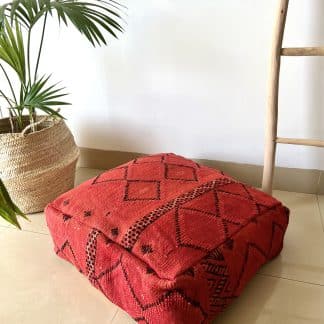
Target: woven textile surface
column 166, row 239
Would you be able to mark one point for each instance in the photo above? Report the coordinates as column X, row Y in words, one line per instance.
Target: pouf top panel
column 165, row 208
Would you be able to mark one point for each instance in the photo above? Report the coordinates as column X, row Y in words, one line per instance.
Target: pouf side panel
column 197, row 294
column 69, row 238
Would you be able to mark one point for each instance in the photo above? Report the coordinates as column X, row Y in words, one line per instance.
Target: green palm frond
column 89, row 18
column 12, row 49
column 8, row 210
column 26, row 11
column 42, row 96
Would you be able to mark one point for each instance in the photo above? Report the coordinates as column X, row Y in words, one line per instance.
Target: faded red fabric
column 166, row 239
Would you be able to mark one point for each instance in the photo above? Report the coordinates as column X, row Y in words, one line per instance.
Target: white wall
column 190, row 77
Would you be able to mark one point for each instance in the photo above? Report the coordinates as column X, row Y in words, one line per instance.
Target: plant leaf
column 12, row 49
column 86, row 16
column 41, row 95
column 8, row 210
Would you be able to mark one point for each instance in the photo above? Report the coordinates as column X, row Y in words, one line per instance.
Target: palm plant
column 18, row 19
column 28, row 92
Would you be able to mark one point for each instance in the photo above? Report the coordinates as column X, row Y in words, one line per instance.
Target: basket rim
column 55, row 122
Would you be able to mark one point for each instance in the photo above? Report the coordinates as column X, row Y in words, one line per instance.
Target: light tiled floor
column 37, row 287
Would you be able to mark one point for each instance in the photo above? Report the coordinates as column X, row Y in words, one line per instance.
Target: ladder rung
column 296, row 141
column 303, row 51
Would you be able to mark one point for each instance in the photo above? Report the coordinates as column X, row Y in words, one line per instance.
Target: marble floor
column 37, row 287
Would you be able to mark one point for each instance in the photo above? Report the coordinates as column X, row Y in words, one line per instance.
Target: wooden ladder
column 271, row 138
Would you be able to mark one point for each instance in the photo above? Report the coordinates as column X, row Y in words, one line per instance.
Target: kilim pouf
column 166, row 239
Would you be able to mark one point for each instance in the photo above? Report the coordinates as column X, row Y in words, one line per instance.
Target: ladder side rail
column 273, row 95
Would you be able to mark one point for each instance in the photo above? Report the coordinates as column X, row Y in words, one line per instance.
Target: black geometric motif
column 178, row 236
column 282, row 230
column 215, row 255
column 114, row 231
column 249, row 247
column 216, row 272
column 180, row 172
column 142, row 190
column 163, row 297
column 145, row 159
column 67, row 245
column 91, row 250
column 249, row 198
column 215, row 269
column 140, row 320
column 122, row 176
column 66, row 217
column 225, row 223
column 87, row 213
column 146, row 249
column 109, row 270
column 107, row 240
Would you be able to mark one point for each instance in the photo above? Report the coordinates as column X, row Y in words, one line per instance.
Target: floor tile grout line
column 24, row 230
column 35, row 232
column 320, row 211
column 294, row 280
column 112, row 320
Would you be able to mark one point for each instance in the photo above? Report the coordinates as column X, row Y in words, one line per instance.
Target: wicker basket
column 39, row 166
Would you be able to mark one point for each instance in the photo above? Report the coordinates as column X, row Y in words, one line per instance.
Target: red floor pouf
column 166, row 239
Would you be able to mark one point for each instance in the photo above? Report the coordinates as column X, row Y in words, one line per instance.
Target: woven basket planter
column 37, row 167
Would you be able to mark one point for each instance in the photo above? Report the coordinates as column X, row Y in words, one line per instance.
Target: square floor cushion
column 166, row 239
